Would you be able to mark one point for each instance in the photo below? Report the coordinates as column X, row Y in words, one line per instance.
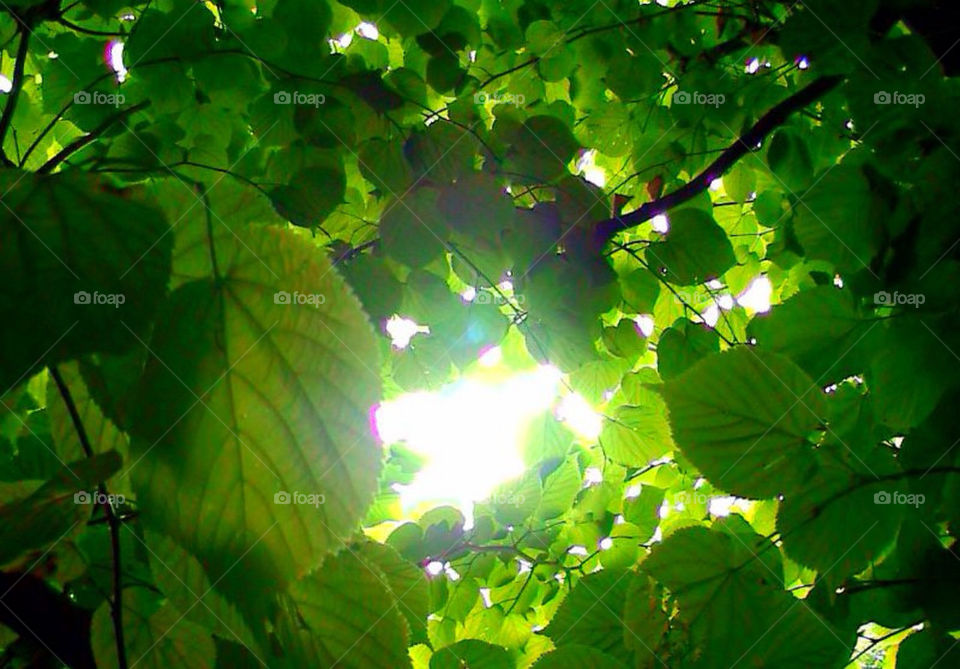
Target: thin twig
column 116, row 605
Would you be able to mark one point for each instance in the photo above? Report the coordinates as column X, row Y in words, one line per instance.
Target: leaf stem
column 81, row 142
column 16, row 85
column 116, row 604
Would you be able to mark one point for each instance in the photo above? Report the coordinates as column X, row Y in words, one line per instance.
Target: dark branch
column 116, row 605
column 16, row 85
column 606, row 230
column 81, row 142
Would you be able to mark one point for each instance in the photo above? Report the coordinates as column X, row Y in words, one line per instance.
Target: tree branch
column 116, row 605
column 14, row 94
column 81, row 142
column 607, row 229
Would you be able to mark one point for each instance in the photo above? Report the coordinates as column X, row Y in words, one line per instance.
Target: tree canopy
column 730, row 224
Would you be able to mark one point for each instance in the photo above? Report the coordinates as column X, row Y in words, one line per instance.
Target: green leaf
column 840, row 523
column 592, row 614
column 833, row 219
column 643, row 511
column 581, row 656
column 729, row 585
column 55, row 508
column 819, row 329
column 155, row 635
column 250, row 396
column 682, row 345
column 541, row 147
column 472, row 653
column 182, row 579
column 789, row 159
column 96, row 257
column 559, row 490
column 696, row 249
column 343, row 613
column 926, row 649
column 412, row 230
column 407, row 582
column 312, row 195
column 744, row 418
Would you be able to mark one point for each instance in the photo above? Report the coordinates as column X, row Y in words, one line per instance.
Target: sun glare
column 470, row 433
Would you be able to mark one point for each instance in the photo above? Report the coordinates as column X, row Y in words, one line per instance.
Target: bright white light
column 468, row 294
column 115, row 59
column 716, row 184
column 645, row 324
column 633, row 491
column 724, row 506
column 711, row 315
column 492, row 357
column 485, row 596
column 5, row 84
column 714, row 284
column 578, row 550
column 472, row 56
column 757, row 295
column 402, row 330
column 368, row 30
column 470, row 434
column 752, row 66
column 344, row 40
column 579, row 416
column 605, row 544
column 660, row 223
column 725, row 302
column 592, row 476
column 505, row 286
column 838, row 281
column 434, row 568
column 802, row 62
column 590, row 170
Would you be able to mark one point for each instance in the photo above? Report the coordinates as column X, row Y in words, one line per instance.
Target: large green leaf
column 582, row 656
column 258, row 389
column 83, row 263
column 407, row 582
column 592, row 614
column 471, row 653
column 155, row 635
column 833, row 219
column 343, row 614
column 818, row 328
column 745, row 418
column 696, row 249
column 729, row 586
